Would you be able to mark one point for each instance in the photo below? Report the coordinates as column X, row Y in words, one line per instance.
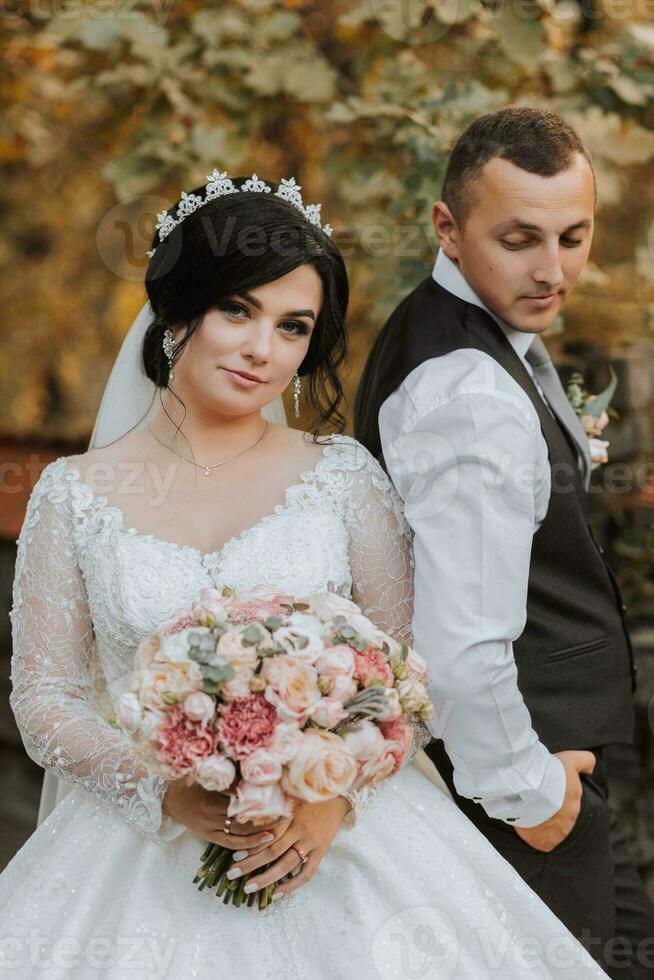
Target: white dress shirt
column 463, row 444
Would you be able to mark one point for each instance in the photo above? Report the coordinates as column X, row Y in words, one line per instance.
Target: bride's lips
column 242, row 380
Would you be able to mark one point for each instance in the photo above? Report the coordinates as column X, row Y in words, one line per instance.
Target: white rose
column 412, row 694
column 415, row 663
column 239, row 685
column 598, row 452
column 301, row 638
column 328, row 605
column 286, row 741
column 328, row 712
column 262, row 767
column 336, row 660
column 129, row 712
column 216, row 773
column 178, row 679
column 394, row 708
column 212, row 603
column 364, row 740
column 150, row 723
column 274, row 668
column 199, row 707
column 175, row 647
column 231, row 646
column 322, row 769
column 344, row 688
column 296, row 694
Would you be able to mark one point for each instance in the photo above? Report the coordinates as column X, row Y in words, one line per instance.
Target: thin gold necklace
column 207, row 469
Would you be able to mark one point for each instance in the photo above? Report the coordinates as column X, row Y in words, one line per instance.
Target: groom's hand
column 546, row 836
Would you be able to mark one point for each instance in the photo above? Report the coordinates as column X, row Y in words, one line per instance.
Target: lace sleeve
column 382, row 567
column 52, row 636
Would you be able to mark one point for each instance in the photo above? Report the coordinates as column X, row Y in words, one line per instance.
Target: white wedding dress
column 103, row 888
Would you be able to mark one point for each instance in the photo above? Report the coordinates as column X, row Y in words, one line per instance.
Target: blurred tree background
column 115, row 107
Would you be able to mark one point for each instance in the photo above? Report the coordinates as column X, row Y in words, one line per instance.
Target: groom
column 516, row 611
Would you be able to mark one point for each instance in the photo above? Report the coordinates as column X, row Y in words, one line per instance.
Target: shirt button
column 511, row 819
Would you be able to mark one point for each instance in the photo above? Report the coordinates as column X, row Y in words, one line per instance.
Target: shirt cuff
column 532, row 807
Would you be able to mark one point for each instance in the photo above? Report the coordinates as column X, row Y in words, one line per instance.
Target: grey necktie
column 547, row 376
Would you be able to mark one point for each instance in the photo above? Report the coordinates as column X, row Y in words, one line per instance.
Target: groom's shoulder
column 430, row 317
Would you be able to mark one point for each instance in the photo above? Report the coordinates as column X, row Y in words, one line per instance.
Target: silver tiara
column 218, row 184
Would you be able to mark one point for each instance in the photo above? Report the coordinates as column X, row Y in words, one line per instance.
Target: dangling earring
column 168, row 347
column 297, row 389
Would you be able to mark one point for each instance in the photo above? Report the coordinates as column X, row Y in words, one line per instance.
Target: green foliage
column 360, row 101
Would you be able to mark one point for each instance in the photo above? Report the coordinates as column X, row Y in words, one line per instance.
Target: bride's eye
column 234, row 309
column 300, row 328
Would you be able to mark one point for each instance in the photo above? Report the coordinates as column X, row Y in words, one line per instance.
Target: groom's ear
column 447, row 229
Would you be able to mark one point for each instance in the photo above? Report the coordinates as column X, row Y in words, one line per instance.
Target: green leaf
column 521, row 33
column 600, row 403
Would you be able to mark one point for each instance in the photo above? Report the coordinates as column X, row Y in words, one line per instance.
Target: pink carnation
column 247, row 724
column 183, row 622
column 397, row 732
column 181, row 743
column 255, row 610
column 371, row 665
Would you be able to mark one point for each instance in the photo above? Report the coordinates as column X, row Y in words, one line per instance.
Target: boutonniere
column 594, row 412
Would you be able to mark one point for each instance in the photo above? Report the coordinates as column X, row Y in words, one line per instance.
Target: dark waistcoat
column 574, row 657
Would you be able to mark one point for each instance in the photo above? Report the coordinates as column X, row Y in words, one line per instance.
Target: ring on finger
column 300, row 853
column 226, row 829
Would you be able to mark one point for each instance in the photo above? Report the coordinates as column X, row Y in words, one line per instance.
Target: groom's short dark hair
column 532, row 138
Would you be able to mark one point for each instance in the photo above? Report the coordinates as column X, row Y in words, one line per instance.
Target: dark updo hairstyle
column 233, row 244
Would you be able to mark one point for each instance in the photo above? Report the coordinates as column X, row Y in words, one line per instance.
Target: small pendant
column 207, row 471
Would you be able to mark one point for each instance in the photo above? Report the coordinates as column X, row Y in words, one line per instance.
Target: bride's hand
column 312, row 829
column 204, row 812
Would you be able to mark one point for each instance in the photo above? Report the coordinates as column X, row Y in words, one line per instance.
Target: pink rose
column 296, row 694
column 328, row 712
column 259, row 804
column 378, row 768
column 398, row 734
column 262, row 768
column 199, row 707
column 216, row 773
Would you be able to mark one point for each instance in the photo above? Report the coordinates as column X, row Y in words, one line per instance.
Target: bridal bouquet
column 271, row 699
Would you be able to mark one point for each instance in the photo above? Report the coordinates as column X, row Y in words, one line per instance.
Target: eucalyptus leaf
column 600, row 403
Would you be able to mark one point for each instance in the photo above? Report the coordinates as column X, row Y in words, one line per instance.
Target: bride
column 193, row 480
